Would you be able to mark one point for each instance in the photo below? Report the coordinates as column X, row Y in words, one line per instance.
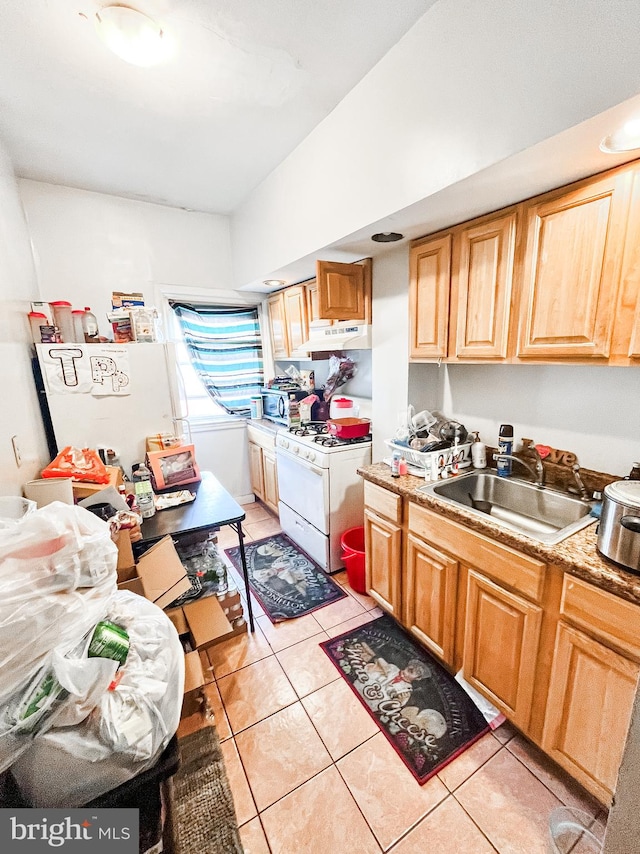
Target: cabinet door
column 255, row 469
column 270, row 480
column 484, row 276
column 571, row 270
column 429, row 285
column 634, row 346
column 588, row 709
column 501, row 637
column 383, row 550
column 278, row 327
column 341, row 290
column 313, row 306
column 429, row 596
column 295, row 314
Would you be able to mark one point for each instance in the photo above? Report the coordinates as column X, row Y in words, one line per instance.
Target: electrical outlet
column 16, row 450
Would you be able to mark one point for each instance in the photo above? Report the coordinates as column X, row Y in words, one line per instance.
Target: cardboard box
column 160, row 577
column 85, row 490
column 126, row 560
column 194, row 681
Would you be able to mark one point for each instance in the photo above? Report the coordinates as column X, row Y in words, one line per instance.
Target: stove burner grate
column 310, row 428
column 333, row 441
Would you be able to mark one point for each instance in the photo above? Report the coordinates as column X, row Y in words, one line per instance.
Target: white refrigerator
column 112, row 395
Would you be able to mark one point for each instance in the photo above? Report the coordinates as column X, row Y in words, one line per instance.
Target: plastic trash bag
column 66, row 687
column 84, row 465
column 492, row 716
column 57, row 576
column 127, row 730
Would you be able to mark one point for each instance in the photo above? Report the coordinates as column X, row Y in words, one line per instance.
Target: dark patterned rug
column 286, row 582
column 417, row 704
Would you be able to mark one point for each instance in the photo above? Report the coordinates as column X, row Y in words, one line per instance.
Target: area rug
column 285, row 580
column 201, row 816
column 418, row 705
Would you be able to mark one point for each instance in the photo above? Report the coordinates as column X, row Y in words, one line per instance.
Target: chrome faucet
column 584, row 494
column 537, row 473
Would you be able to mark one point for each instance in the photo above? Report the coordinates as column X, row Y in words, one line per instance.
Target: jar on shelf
column 63, row 319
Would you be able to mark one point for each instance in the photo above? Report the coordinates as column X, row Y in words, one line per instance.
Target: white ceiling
column 251, row 78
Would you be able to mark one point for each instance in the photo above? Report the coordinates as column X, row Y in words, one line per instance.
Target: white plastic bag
column 57, row 575
column 65, row 688
column 129, row 728
column 492, row 716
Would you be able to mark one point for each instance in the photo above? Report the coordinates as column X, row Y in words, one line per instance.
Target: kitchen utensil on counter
column 619, row 528
column 479, row 504
column 349, row 428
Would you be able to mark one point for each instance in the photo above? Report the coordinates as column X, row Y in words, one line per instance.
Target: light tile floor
column 312, row 774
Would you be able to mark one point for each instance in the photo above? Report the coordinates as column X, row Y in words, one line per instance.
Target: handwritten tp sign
column 94, row 369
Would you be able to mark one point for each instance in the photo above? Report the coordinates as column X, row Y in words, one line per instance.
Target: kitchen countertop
column 577, row 554
column 265, row 425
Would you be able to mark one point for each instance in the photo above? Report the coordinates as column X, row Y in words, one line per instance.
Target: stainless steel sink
column 537, row 512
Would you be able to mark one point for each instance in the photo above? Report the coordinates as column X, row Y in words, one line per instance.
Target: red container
column 348, row 428
column 352, row 542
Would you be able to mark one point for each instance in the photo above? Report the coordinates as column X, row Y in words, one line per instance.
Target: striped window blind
column 226, row 351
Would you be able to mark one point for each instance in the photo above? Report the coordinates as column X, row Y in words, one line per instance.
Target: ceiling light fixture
column 274, row 283
column 387, row 237
column 133, row 36
column 626, row 138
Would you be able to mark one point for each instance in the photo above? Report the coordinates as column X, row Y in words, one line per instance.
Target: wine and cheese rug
column 285, row 580
column 421, row 709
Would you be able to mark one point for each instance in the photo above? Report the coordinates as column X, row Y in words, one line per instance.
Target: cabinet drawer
column 518, row 571
column 601, row 613
column 383, row 502
column 264, row 438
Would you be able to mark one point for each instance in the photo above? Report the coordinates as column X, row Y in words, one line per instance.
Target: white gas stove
column 321, row 493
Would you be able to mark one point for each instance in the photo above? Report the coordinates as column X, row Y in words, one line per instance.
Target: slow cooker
column 619, row 529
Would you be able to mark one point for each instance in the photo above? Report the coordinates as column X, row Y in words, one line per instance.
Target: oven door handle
column 299, row 461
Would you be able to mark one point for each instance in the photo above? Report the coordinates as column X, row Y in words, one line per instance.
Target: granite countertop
column 577, row 554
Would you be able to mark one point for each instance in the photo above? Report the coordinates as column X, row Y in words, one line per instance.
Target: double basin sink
column 538, row 512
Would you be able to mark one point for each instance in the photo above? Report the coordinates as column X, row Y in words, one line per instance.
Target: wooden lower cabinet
column 270, row 479
column 256, row 472
column 429, row 591
column 502, row 631
column 383, row 550
column 588, row 709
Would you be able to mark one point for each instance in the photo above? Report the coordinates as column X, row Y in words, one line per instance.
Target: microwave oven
column 281, row 405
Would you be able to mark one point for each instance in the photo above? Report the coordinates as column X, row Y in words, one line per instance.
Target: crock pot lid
column 624, row 491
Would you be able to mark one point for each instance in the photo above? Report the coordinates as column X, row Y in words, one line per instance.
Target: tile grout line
column 474, row 822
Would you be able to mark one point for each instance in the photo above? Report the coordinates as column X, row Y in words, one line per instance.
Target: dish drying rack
column 419, row 461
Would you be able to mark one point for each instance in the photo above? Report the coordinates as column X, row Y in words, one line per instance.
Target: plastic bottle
column 478, row 452
column 395, row 464
column 143, row 491
column 63, row 320
column 403, row 467
column 90, row 326
column 505, row 446
column 37, row 321
column 78, row 329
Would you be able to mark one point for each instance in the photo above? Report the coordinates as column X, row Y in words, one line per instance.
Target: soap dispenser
column 478, row 452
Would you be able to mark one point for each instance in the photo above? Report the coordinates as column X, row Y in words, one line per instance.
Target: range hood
column 345, row 335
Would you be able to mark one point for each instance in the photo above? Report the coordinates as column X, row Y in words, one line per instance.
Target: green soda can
column 109, row 641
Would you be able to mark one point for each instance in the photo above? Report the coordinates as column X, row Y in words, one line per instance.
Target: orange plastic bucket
column 352, row 542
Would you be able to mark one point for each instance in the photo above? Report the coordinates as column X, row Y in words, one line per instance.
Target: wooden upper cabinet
column 483, row 276
column 279, row 342
column 313, row 305
column 429, row 286
column 571, row 269
column 341, row 290
column 634, row 346
column 295, row 317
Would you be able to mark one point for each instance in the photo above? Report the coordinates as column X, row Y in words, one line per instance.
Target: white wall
column 87, row 245
column 471, row 84
column 19, row 413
